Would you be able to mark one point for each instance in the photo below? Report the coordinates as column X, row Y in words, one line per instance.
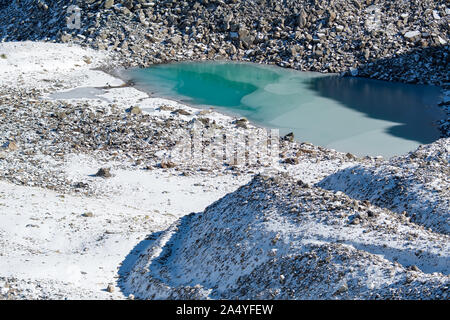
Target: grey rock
column 104, row 173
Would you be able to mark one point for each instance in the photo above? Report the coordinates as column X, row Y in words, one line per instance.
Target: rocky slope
column 64, row 229
column 391, row 40
column 416, row 185
column 274, row 238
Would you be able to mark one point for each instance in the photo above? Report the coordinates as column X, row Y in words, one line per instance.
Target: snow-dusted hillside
column 417, row 184
column 276, row 239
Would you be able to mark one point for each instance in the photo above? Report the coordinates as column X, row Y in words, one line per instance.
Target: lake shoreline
column 444, row 103
column 240, row 87
column 384, row 40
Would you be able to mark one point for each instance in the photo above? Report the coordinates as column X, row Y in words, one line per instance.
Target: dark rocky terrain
column 391, row 40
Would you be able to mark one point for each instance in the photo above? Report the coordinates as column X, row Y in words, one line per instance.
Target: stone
column 81, row 185
column 10, row 146
column 241, row 123
column 165, row 108
column 104, row 173
column 227, row 21
column 436, row 15
column 141, row 16
column 350, row 156
column 289, row 137
column 176, row 39
column 332, row 16
column 353, row 71
column 371, row 214
column 302, row 19
column 414, row 268
column 109, row 4
column 66, row 38
column 412, row 35
column 167, row 165
column 134, row 110
column 302, row 184
column 182, row 112
column 292, row 161
column 204, row 121
column 318, row 53
column 87, row 60
column 343, row 288
column 110, row 288
column 204, row 112
column 441, row 41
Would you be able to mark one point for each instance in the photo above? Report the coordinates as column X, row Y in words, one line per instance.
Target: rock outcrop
column 391, row 40
column 277, row 239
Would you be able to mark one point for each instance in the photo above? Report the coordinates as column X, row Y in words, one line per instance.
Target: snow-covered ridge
column 275, row 239
column 416, row 184
column 51, row 66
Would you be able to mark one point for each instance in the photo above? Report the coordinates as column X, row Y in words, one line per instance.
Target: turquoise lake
column 361, row 116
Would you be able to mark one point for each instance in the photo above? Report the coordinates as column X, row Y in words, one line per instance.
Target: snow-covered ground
column 50, row 245
column 40, row 65
column 75, row 244
column 276, row 239
column 57, row 244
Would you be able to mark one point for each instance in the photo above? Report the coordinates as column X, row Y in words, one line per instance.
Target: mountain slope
column 274, row 239
column 416, row 185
